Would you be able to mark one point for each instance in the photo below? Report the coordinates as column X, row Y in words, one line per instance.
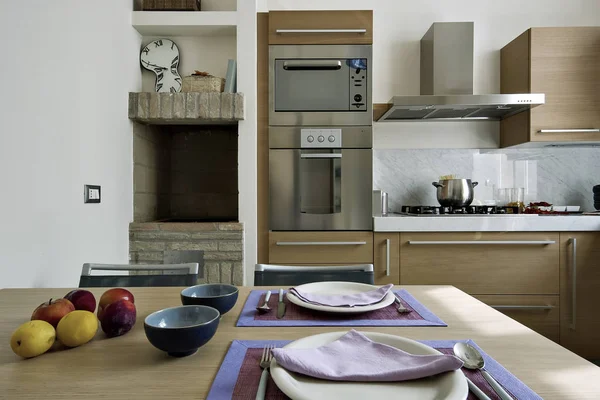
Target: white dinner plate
column 339, row 288
column 449, row 385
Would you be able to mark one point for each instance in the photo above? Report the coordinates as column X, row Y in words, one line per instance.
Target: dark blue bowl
column 182, row 330
column 217, row 295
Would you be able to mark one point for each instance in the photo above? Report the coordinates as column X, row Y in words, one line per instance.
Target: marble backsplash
column 562, row 176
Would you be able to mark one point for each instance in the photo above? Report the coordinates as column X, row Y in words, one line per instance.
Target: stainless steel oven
column 320, row 85
column 320, row 178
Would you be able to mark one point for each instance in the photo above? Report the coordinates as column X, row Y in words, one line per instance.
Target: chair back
column 139, row 275
column 286, row 275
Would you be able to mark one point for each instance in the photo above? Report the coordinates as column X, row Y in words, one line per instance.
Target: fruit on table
column 111, row 296
column 118, row 318
column 32, row 338
column 82, row 299
column 52, row 311
column 77, row 328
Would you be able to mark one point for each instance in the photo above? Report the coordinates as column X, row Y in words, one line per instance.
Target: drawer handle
column 519, row 307
column 588, row 130
column 517, row 242
column 320, row 243
column 573, row 242
column 284, row 31
column 387, row 257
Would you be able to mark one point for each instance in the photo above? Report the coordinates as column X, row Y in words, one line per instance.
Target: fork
column 265, row 362
column 401, row 308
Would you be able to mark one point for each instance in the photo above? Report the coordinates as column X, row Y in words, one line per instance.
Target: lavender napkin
column 348, row 300
column 354, row 357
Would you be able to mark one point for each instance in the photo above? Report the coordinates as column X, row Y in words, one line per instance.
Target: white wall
column 67, row 66
column 399, row 25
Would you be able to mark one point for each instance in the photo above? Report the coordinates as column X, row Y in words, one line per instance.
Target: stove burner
column 469, row 210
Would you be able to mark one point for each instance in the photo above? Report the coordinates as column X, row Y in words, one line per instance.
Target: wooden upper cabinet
column 321, row 27
column 564, row 64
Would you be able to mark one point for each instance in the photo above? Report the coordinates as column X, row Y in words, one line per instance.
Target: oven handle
column 313, row 65
column 321, row 155
column 283, row 31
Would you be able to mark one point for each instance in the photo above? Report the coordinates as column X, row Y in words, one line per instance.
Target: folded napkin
column 354, row 357
column 347, row 300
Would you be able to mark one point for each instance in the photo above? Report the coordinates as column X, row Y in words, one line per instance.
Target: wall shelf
column 186, row 108
column 185, row 23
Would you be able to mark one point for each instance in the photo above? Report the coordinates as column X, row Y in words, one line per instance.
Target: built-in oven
column 320, row 85
column 320, row 178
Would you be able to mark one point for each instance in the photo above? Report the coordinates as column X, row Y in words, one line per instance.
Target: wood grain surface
column 129, row 367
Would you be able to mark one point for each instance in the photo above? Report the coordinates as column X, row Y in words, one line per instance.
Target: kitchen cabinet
column 323, row 248
column 321, row 27
column 580, row 293
column 564, row 64
column 538, row 312
column 482, row 262
column 386, row 258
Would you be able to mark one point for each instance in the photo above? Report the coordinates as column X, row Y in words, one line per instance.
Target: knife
column 281, row 305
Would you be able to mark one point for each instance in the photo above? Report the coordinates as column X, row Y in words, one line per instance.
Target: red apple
column 112, row 295
column 52, row 311
column 82, row 299
column 118, row 318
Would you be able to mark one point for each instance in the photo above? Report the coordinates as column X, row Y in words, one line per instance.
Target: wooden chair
column 155, row 275
column 285, row 275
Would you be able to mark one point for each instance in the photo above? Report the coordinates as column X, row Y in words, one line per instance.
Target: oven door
column 320, row 189
column 320, row 85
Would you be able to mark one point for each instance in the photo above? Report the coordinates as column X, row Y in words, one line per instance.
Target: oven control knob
column 321, row 139
column 331, row 138
column 310, row 139
column 357, row 98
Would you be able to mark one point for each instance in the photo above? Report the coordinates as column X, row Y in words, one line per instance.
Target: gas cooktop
column 458, row 211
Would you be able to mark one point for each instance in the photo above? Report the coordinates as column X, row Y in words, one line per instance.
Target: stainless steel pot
column 455, row 192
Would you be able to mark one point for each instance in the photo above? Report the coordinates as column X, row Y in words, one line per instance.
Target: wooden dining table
column 129, row 367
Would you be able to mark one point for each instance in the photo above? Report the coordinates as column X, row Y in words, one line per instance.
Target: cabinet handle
column 521, row 307
column 284, row 31
column 573, row 242
column 320, row 243
column 387, row 257
column 588, row 130
column 499, row 242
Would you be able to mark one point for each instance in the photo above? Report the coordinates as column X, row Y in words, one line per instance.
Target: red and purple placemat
column 240, row 373
column 300, row 316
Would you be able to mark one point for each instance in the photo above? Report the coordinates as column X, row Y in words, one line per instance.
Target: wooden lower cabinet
column 482, row 262
column 386, row 258
column 538, row 312
column 580, row 293
column 324, row 248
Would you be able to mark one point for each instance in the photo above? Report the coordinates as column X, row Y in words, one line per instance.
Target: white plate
column 449, row 386
column 340, row 288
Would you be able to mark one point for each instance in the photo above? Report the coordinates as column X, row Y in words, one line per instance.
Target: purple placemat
column 239, row 374
column 300, row 316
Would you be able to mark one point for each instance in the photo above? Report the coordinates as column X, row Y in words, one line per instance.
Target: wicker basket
column 199, row 83
column 171, row 5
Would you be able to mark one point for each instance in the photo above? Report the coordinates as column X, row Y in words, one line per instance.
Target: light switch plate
column 91, row 194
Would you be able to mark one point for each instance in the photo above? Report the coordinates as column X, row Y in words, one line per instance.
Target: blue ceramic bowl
column 220, row 296
column 182, row 330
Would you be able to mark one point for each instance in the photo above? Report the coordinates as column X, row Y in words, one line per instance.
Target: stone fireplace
column 185, row 183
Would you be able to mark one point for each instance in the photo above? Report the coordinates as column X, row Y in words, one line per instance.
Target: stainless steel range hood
column 447, row 83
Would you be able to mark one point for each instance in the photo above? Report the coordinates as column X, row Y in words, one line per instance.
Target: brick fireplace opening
column 185, row 181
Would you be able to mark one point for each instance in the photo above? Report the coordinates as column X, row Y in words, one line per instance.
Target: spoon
column 474, row 360
column 265, row 307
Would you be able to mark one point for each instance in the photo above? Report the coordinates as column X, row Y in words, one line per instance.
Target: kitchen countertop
column 487, row 223
column 129, row 367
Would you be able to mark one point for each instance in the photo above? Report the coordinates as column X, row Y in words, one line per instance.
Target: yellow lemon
column 32, row 338
column 76, row 328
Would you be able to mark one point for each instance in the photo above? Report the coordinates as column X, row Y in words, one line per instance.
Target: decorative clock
column 162, row 57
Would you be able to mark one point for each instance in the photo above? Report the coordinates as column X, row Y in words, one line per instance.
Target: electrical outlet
column 91, row 194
